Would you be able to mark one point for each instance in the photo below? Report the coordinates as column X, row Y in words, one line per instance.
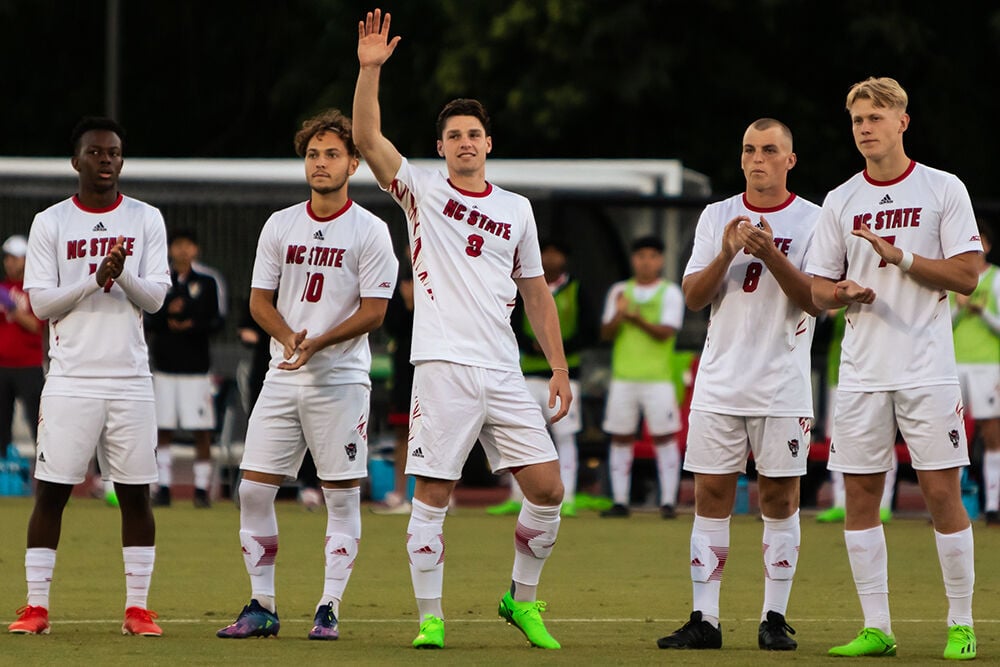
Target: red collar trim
column 309, row 210
column 772, row 209
column 906, row 173
column 87, row 209
column 467, row 193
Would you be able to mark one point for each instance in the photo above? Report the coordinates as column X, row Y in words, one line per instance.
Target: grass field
column 613, row 587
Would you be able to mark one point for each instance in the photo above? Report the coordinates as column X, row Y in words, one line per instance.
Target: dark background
column 563, row 78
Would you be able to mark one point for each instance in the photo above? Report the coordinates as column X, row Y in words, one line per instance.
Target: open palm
column 374, row 45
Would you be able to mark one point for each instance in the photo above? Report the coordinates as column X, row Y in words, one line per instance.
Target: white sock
column 569, row 463
column 620, row 461
column 138, row 574
column 165, row 465
column 343, row 537
column 709, row 552
column 991, row 479
column 39, row 564
column 781, row 556
column 259, row 538
column 202, row 474
column 668, row 466
column 956, row 553
column 890, row 484
column 516, row 494
column 869, row 558
column 425, row 549
column 839, row 493
column 534, row 537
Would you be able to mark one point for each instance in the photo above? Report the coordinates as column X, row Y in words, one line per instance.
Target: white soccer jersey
column 756, row 360
column 321, row 268
column 100, row 340
column 903, row 340
column 671, row 309
column 467, row 248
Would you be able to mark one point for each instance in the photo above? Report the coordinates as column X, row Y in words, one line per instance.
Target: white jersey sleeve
column 672, row 312
column 903, row 340
column 611, row 301
column 322, row 267
column 467, row 249
column 756, row 360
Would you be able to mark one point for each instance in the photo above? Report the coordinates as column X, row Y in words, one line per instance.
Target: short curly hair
column 88, row 123
column 331, row 120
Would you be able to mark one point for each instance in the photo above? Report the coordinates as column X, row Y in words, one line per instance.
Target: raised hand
column 757, row 239
column 731, row 243
column 374, row 45
column 890, row 253
column 112, row 264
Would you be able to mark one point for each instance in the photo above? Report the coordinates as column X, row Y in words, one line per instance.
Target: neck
column 888, row 167
column 646, row 281
column 470, row 182
column 769, row 198
column 182, row 269
column 325, row 205
column 97, row 199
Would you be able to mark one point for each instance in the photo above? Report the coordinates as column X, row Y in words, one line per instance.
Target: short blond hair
column 884, row 92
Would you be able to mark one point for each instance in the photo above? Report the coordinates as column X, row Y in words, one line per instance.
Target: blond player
column 336, row 269
column 473, row 247
column 95, row 262
column 906, row 234
column 752, row 392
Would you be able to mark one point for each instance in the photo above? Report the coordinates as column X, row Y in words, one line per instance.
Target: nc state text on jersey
column 455, row 210
column 893, row 218
column 96, row 247
column 316, row 256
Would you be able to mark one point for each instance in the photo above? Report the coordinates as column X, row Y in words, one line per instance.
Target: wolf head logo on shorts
column 793, row 447
column 352, row 451
column 953, row 436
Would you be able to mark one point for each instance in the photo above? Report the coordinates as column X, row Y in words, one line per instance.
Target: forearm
column 824, row 294
column 144, row 293
column 659, row 332
column 544, row 319
column 364, row 320
column 266, row 316
column 992, row 321
column 955, row 274
column 54, row 302
column 701, row 287
column 27, row 320
column 796, row 285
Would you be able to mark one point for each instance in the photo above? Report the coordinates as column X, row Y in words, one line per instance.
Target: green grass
column 613, row 587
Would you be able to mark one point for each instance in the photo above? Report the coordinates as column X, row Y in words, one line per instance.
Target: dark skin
column 98, row 162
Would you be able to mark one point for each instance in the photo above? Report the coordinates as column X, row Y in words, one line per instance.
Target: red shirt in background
column 19, row 348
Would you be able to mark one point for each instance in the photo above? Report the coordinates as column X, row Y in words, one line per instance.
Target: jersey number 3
column 475, row 247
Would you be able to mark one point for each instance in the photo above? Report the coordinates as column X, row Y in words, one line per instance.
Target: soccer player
column 181, row 350
column 473, row 247
column 752, row 393
column 575, row 324
column 642, row 316
column 95, row 262
column 336, row 268
column 906, row 234
column 976, row 327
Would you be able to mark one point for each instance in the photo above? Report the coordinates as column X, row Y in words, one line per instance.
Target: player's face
column 13, row 267
column 328, row 163
column 878, row 131
column 464, row 145
column 767, row 158
column 647, row 264
column 183, row 252
column 553, row 262
column 99, row 160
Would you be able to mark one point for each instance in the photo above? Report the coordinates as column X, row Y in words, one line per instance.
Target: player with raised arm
column 95, row 262
column 752, row 392
column 907, row 235
column 473, row 246
column 336, row 268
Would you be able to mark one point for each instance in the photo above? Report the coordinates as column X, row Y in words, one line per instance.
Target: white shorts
column 980, row 389
column 332, row 421
column 655, row 401
column 71, row 430
column 930, row 419
column 184, row 401
column 568, row 425
column 719, row 444
column 453, row 405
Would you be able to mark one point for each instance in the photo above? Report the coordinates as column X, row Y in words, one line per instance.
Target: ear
column 904, row 122
column 489, row 145
column 75, row 162
column 353, row 166
column 440, row 148
column 793, row 160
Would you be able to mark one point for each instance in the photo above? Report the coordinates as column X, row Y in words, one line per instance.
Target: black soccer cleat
column 773, row 634
column 668, row 512
column 695, row 634
column 162, row 497
column 617, row 510
column 201, row 500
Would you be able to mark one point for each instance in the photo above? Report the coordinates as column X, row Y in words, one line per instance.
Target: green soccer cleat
column 870, row 642
column 585, row 501
column 526, row 617
column 885, row 515
column 568, row 510
column 431, row 633
column 961, row 643
column 832, row 515
column 506, row 508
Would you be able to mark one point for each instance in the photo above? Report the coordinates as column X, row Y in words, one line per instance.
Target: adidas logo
column 339, row 552
column 99, row 227
column 885, row 200
column 41, row 457
column 318, row 235
column 417, row 453
column 695, row 562
column 782, row 563
column 424, row 550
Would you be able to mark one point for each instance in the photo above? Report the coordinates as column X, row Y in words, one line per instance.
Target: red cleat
column 139, row 621
column 30, row 621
